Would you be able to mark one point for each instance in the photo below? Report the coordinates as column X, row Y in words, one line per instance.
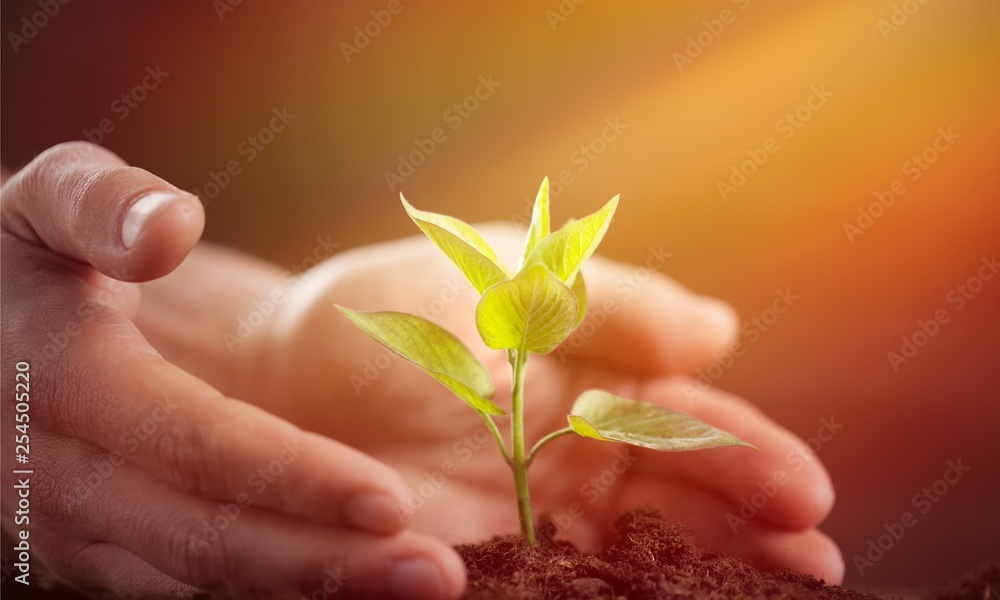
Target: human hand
column 144, row 479
column 343, row 385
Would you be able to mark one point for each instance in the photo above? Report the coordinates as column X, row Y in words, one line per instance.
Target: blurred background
column 750, row 140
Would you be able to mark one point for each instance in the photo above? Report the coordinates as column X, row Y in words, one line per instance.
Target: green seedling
column 530, row 311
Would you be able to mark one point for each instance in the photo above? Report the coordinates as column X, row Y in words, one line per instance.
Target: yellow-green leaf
column 563, row 251
column 580, row 291
column 602, row 415
column 539, row 227
column 462, row 244
column 440, row 354
column 533, row 312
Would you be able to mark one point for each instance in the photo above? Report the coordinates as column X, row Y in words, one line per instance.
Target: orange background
column 784, row 228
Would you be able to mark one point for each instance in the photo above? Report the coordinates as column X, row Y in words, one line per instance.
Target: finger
column 85, row 203
column 67, row 475
column 782, row 482
column 187, row 434
column 810, row 551
column 717, row 525
column 193, row 438
column 245, row 549
column 100, row 567
column 642, row 322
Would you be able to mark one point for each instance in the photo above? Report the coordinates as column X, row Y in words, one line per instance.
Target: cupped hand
column 307, row 362
column 139, row 477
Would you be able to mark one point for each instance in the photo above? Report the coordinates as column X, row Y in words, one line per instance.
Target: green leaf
column 440, row 354
column 580, row 291
column 462, row 244
column 563, row 251
column 603, row 416
column 533, row 312
column 539, row 227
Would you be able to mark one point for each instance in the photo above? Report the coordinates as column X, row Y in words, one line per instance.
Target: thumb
column 85, row 203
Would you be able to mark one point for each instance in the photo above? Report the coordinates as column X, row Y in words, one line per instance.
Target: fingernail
column 375, row 512
column 416, row 578
column 140, row 212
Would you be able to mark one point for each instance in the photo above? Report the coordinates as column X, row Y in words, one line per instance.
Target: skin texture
column 170, row 457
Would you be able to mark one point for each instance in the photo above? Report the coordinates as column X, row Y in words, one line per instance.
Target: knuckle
column 100, row 194
column 69, row 153
column 54, row 167
column 184, row 456
column 56, row 498
column 198, row 549
column 52, row 177
column 49, row 499
column 69, row 483
column 64, row 407
column 87, row 190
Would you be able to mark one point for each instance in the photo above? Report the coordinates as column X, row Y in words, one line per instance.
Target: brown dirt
column 982, row 583
column 648, row 559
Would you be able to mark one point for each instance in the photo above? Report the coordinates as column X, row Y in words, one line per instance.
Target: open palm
column 648, row 332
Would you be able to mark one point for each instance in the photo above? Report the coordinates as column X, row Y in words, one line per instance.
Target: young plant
column 531, row 311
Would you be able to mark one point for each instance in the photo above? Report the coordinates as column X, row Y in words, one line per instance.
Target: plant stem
column 499, row 438
column 520, row 465
column 546, row 440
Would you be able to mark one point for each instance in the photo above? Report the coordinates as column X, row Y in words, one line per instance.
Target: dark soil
column 979, row 584
column 648, row 559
